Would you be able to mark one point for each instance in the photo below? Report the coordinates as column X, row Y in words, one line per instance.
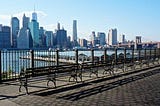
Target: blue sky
column 130, row 17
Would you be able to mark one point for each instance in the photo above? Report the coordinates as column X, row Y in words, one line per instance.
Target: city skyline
column 132, row 18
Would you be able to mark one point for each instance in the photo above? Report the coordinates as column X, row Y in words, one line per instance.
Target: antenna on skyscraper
column 34, row 7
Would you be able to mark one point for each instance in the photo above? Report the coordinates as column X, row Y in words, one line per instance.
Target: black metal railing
column 13, row 61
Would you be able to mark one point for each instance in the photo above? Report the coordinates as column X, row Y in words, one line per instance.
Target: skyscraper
column 49, row 38
column 74, row 30
column 122, row 38
column 61, row 37
column 25, row 22
column 34, row 28
column 5, row 37
column 0, row 27
column 93, row 39
column 112, row 37
column 24, row 39
column 83, row 42
column 42, row 37
column 34, row 16
column 14, row 31
column 102, row 38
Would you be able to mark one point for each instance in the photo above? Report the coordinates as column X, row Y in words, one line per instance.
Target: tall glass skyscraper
column 112, row 37
column 24, row 40
column 4, row 37
column 14, row 31
column 25, row 22
column 34, row 16
column 74, row 30
column 61, row 37
column 49, row 38
column 102, row 38
column 34, row 28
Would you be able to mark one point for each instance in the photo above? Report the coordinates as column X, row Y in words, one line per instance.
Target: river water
column 10, row 60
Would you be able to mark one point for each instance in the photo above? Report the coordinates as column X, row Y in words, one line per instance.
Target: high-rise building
column 5, row 37
column 61, row 37
column 0, row 27
column 34, row 28
column 42, row 37
column 93, row 38
column 14, row 31
column 112, row 37
column 122, row 39
column 102, row 38
column 83, row 42
column 49, row 38
column 25, row 22
column 34, row 16
column 74, row 30
column 24, row 39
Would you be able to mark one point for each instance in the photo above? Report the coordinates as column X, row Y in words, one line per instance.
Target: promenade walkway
column 137, row 89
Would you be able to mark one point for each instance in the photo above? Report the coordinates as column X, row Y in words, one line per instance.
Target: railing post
column 105, row 55
column 49, row 57
column 0, row 68
column 32, row 58
column 139, row 55
column 124, row 56
column 145, row 54
column 76, row 56
column 155, row 54
column 57, row 57
column 115, row 56
column 158, row 52
column 133, row 55
column 150, row 53
column 92, row 55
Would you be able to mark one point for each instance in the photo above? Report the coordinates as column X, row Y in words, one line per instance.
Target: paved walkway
column 138, row 89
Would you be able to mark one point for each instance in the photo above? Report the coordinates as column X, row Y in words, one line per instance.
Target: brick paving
column 138, row 89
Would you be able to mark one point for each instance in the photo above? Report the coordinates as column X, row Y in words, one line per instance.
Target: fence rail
column 13, row 61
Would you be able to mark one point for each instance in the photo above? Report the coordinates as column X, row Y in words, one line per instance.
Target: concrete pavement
column 136, row 89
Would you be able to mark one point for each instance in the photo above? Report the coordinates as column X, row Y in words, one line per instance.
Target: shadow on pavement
column 98, row 89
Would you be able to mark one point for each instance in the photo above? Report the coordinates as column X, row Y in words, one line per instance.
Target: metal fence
column 13, row 61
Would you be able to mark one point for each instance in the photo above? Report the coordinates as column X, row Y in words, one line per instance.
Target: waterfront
column 13, row 61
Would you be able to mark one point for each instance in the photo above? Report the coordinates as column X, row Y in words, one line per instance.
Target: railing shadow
column 98, row 89
column 3, row 97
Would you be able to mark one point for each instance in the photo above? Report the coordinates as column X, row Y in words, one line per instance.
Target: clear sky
column 130, row 17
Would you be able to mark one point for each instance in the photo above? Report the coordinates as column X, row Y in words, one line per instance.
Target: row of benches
column 75, row 70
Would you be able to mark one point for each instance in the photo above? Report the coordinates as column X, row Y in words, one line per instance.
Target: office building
column 49, row 38
column 24, row 39
column 102, row 38
column 14, row 31
column 83, row 42
column 74, row 30
column 34, row 28
column 5, row 37
column 61, row 37
column 93, row 39
column 42, row 42
column 34, row 16
column 122, row 39
column 0, row 27
column 112, row 37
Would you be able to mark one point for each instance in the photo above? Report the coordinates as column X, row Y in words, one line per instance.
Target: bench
column 91, row 67
column 50, row 72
